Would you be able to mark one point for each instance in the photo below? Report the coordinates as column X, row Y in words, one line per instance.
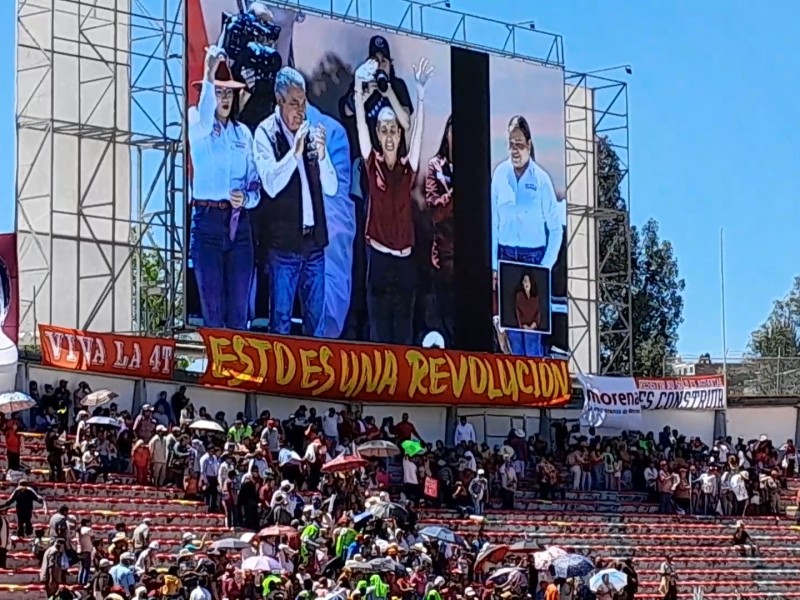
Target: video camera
column 246, row 40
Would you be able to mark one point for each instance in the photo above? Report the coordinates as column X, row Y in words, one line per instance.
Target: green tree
column 645, row 300
column 779, row 335
column 154, row 310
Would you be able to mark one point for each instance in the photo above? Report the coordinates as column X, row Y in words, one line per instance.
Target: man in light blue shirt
column 527, row 219
column 122, row 575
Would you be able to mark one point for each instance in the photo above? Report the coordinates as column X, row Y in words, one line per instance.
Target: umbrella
column 412, row 447
column 524, row 547
column 207, row 425
column 542, row 560
column 389, row 510
column 344, row 463
column 99, row 397
column 509, row 577
column 229, row 544
column 442, row 534
column 278, row 531
column 610, row 579
column 288, row 457
column 492, row 553
column 572, row 565
column 261, row 564
column 386, row 565
column 12, row 402
column 100, row 421
column 378, row 449
column 360, row 520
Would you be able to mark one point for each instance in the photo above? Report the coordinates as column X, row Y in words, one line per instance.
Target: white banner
column 695, row 392
column 611, row 402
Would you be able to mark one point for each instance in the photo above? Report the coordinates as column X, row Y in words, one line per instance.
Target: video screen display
column 529, row 208
column 322, row 184
column 342, row 159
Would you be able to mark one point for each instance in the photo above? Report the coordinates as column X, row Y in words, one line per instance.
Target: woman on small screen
column 528, row 312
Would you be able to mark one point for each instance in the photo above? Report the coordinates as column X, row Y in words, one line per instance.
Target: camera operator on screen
column 391, row 176
column 249, row 39
column 527, row 224
column 296, row 171
column 224, row 185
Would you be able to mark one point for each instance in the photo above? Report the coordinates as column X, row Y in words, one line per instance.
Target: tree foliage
column 645, row 300
column 779, row 335
column 153, row 307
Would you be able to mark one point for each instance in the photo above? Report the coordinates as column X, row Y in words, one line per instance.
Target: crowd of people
column 329, row 503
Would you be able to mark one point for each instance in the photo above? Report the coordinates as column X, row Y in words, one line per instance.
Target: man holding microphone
column 296, row 172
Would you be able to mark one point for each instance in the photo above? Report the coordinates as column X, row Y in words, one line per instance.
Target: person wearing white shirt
column 465, row 432
column 296, row 171
column 224, row 186
column 330, row 426
column 209, row 479
column 527, row 218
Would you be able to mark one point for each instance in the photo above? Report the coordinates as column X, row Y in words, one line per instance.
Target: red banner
column 9, row 291
column 431, row 487
column 110, row 353
column 380, row 373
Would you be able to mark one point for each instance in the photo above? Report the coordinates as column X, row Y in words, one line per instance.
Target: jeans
column 665, row 503
column 391, row 289
column 524, row 343
column 293, row 273
column 86, row 568
column 223, row 267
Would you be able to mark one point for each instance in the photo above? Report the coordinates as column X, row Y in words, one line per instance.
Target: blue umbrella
column 361, row 519
column 442, row 534
column 572, row 565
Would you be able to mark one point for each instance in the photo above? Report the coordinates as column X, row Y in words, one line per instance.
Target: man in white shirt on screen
column 527, row 219
column 465, row 432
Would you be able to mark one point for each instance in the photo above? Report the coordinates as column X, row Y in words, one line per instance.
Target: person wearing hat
column 391, row 178
column 144, row 427
column 159, row 452
column 102, row 582
column 296, row 173
column 224, row 186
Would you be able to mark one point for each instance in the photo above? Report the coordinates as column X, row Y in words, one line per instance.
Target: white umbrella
column 206, row 425
column 99, row 397
column 261, row 564
column 12, row 402
column 378, row 449
column 542, row 560
column 288, row 457
column 104, row 422
column 608, row 580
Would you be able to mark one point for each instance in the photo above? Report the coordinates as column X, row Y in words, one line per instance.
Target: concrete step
column 99, row 490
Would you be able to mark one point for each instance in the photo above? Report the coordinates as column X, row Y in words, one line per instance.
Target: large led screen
column 322, row 185
column 529, row 208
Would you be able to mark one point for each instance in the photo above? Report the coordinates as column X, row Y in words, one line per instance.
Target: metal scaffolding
column 101, row 167
column 599, row 239
column 100, row 172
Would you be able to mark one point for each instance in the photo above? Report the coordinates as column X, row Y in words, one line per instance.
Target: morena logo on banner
column 614, row 399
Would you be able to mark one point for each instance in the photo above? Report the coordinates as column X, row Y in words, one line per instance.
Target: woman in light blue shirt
column 526, row 218
column 225, row 185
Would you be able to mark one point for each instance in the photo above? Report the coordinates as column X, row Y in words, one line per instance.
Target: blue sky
column 715, row 129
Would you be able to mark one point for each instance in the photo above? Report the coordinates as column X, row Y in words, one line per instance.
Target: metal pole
column 722, row 291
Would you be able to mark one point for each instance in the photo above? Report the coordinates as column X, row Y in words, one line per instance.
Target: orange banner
column 380, row 373
column 111, row 353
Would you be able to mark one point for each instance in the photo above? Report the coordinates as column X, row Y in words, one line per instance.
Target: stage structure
column 101, row 178
column 100, row 173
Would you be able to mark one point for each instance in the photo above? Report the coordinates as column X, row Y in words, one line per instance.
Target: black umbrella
column 386, row 565
column 389, row 510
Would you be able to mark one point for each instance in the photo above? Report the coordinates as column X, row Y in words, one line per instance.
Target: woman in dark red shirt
column 391, row 275
column 439, row 198
column 526, row 304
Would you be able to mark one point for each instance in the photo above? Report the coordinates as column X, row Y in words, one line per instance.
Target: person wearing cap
column 159, row 453
column 102, row 581
column 296, row 173
column 224, row 187
column 144, row 426
column 479, row 491
column 391, row 177
column 528, row 220
column 51, row 573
